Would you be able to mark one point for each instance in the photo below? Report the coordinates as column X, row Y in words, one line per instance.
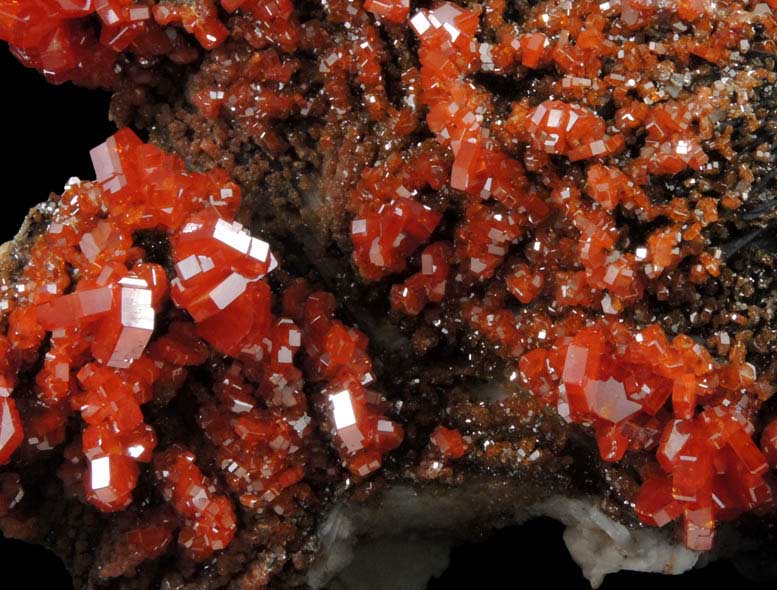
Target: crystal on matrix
column 209, row 518
column 109, row 354
column 563, row 232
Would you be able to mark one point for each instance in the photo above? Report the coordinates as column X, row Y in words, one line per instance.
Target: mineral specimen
column 386, row 246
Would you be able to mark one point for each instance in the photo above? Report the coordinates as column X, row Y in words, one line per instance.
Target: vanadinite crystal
column 552, row 200
column 104, row 361
column 634, row 387
column 209, row 523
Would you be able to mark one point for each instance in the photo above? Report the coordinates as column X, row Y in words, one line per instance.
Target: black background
column 47, row 132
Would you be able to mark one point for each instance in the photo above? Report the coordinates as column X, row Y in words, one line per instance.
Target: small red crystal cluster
column 82, row 40
column 620, row 381
column 254, row 92
column 209, row 523
column 89, row 287
column 428, row 285
column 394, row 11
column 338, row 359
column 449, row 442
column 101, row 316
column 148, row 537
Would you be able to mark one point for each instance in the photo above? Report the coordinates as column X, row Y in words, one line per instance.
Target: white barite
column 601, row 546
column 403, row 538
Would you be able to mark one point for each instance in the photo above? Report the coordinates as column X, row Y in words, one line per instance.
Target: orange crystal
column 394, row 11
column 209, row 517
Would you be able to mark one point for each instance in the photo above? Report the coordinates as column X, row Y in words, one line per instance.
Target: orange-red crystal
column 105, row 360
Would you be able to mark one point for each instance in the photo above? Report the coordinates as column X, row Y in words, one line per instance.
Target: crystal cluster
column 148, row 537
column 82, row 40
column 58, row 38
column 638, row 390
column 448, row 442
column 104, row 355
column 272, row 22
column 338, row 360
column 254, row 93
column 97, row 360
column 209, row 519
column 623, row 382
column 259, row 417
column 384, row 237
column 394, row 11
column 411, row 296
column 217, row 264
column 566, row 129
column 537, row 183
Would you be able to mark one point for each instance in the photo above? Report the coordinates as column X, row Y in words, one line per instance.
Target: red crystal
column 557, row 127
column 60, row 37
column 614, row 374
column 147, row 539
column 71, row 310
column 338, row 357
column 180, row 346
column 655, row 505
column 427, row 285
column 109, row 482
column 209, row 519
column 199, row 18
column 394, row 11
column 11, row 434
column 490, row 181
column 383, row 238
column 524, row 283
column 533, row 49
column 123, row 334
column 216, row 261
column 449, row 442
